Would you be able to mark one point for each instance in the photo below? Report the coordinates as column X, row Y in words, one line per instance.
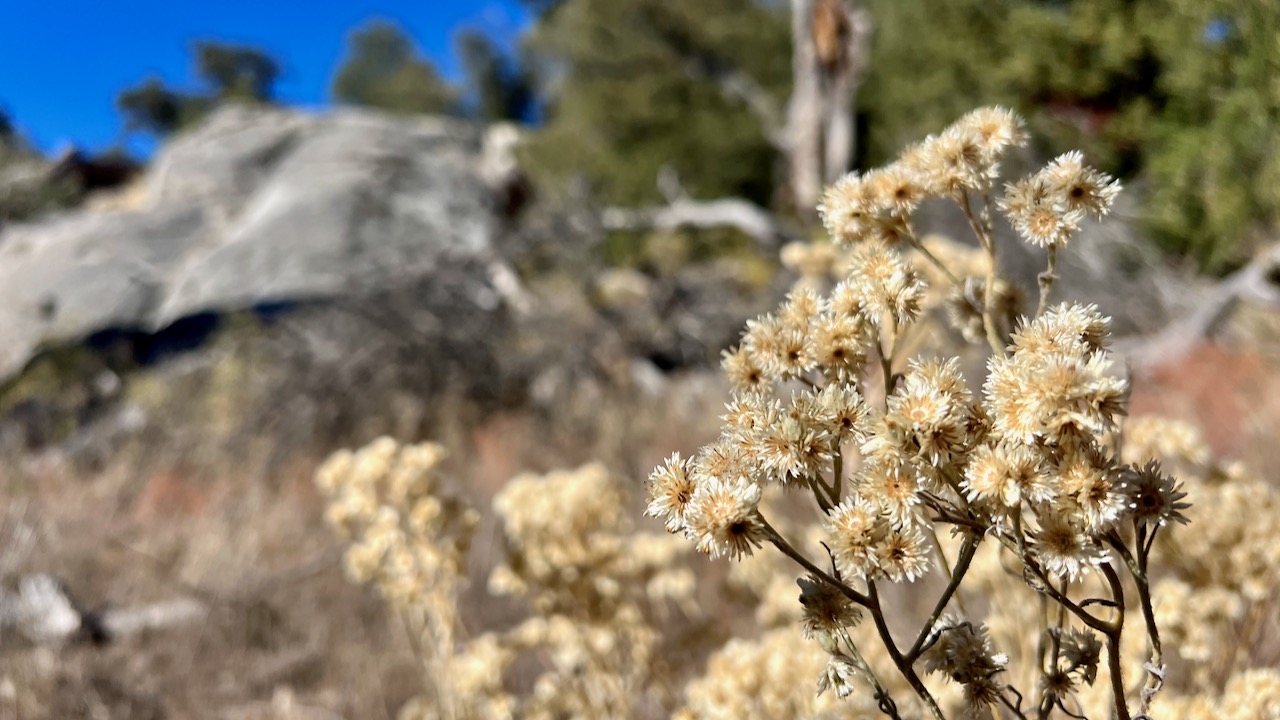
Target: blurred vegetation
column 626, row 93
column 1177, row 97
column 383, row 70
column 226, row 71
column 25, row 188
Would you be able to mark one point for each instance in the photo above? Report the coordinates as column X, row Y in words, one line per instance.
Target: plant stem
column 967, row 552
column 887, row 705
column 1154, row 682
column 1114, row 667
column 820, row 492
column 904, row 665
column 988, row 295
column 779, row 542
column 1046, row 278
column 837, row 474
column 920, row 248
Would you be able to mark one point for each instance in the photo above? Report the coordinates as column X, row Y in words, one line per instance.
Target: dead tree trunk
column 830, row 43
column 814, row 137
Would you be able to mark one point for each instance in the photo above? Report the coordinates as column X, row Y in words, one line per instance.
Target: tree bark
column 830, row 45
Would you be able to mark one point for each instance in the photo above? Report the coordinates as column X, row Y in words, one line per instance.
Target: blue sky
column 63, row 61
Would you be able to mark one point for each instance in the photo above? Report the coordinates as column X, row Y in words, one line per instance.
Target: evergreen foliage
column 383, row 70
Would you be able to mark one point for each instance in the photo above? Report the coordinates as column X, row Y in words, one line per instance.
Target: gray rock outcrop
column 255, row 206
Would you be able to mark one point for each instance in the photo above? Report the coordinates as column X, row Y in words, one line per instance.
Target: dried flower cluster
column 1022, row 518
column 594, row 585
column 894, row 450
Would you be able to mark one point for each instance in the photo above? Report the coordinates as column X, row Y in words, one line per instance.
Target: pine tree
column 384, row 70
column 630, row 87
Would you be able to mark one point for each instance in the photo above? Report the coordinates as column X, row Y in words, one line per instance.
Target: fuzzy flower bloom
column 841, row 344
column 1007, row 475
column 1083, row 651
column 1064, row 547
column 930, row 411
column 840, row 409
column 952, row 162
column 1048, row 207
column 963, row 652
column 903, row 554
column 838, row 675
column 996, row 128
column 724, row 458
column 1080, row 187
column 1039, row 213
column 742, row 370
column 894, row 189
column 722, row 518
column 849, row 209
column 853, row 532
column 781, row 349
column 826, row 609
column 1053, row 396
column 886, row 285
column 1153, row 497
column 893, row 483
column 1066, row 327
column 1092, row 480
column 671, row 489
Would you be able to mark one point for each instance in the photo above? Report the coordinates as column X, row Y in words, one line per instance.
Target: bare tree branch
column 1258, row 281
column 751, row 219
column 737, row 85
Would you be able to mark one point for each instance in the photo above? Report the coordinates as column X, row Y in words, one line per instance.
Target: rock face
column 257, row 206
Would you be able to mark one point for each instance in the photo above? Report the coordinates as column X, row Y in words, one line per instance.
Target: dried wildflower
column 962, row 650
column 840, row 409
column 1153, row 497
column 931, row 410
column 1006, row 474
column 895, row 187
column 826, row 609
column 722, row 518
column 952, row 162
column 1089, row 477
column 1053, row 396
column 996, row 129
column 781, row 349
column 841, row 344
column 670, row 490
column 800, row 309
column 1080, row 187
column 1057, row 683
column 838, row 675
column 1083, row 651
column 887, row 285
column 1025, row 462
column 744, row 412
column 894, row 484
column 848, row 209
column 742, row 370
column 1038, row 212
column 1064, row 547
column 1064, row 328
column 903, row 554
column 853, row 531
column 724, row 458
